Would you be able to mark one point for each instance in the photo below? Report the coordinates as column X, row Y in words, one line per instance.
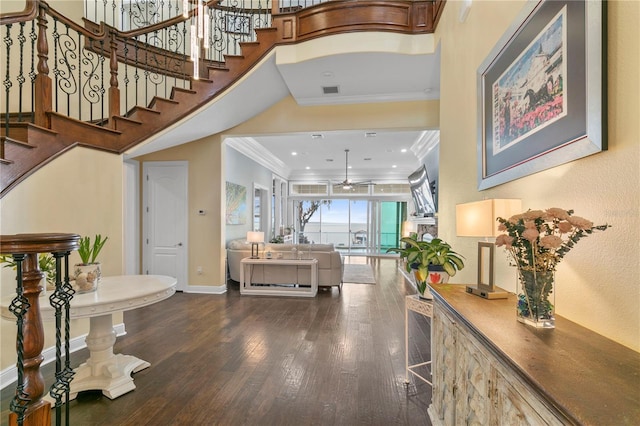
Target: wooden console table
column 490, row 369
column 247, row 287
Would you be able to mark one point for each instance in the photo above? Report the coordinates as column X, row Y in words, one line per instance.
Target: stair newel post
column 43, row 95
column 36, row 409
column 114, row 91
column 275, row 7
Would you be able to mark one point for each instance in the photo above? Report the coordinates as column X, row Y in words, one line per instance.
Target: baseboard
column 206, row 289
column 10, row 374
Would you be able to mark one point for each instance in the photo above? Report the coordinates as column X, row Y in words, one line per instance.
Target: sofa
column 330, row 266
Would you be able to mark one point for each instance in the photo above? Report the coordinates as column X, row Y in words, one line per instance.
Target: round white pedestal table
column 105, row 370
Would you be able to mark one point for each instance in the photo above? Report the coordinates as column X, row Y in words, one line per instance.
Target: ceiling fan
column 346, row 184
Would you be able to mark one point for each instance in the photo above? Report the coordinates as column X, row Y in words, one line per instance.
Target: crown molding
column 253, row 150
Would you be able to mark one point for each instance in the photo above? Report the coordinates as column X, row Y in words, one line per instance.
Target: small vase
column 86, row 277
column 435, row 275
column 536, row 302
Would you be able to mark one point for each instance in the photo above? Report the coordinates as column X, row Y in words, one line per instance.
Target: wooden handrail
column 29, row 13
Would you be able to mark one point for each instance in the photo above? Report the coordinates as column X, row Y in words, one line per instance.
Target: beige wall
column 80, row 192
column 206, row 192
column 288, row 116
column 598, row 281
column 206, row 164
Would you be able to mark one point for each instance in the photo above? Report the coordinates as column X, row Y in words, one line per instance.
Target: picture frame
column 236, row 204
column 542, row 91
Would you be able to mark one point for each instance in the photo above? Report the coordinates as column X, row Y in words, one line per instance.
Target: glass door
column 352, row 226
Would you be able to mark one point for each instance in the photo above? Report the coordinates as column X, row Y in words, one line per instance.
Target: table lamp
column 255, row 238
column 408, row 228
column 478, row 219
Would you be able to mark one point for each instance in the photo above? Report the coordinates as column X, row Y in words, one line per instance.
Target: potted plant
column 46, row 264
column 87, row 274
column 431, row 261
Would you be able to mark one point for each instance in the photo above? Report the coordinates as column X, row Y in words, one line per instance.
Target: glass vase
column 537, row 299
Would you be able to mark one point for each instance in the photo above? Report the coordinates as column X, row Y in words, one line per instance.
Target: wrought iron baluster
column 146, row 68
column 21, row 79
column 68, row 292
column 56, row 71
column 8, row 41
column 60, row 300
column 32, row 73
column 80, row 73
column 136, row 75
column 184, row 48
column 114, row 7
column 126, row 77
column 101, row 89
column 19, row 307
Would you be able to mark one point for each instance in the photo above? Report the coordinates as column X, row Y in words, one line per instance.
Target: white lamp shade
column 478, row 219
column 407, row 228
column 255, row 237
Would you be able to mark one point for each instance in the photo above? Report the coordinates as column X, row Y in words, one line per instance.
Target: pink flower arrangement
column 538, row 240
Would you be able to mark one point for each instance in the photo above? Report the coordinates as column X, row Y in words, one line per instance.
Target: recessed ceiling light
column 317, row 136
column 394, row 166
column 327, row 74
column 370, row 134
column 403, row 150
column 307, row 168
column 294, row 153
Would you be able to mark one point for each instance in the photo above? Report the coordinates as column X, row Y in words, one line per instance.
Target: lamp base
column 496, row 293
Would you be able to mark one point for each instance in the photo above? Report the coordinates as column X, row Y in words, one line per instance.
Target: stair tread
column 145, row 109
column 17, row 142
column 180, row 89
column 127, row 119
column 161, row 99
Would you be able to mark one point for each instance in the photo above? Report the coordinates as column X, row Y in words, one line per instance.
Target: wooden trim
column 28, row 14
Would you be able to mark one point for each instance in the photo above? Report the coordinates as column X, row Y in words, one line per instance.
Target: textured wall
column 597, row 283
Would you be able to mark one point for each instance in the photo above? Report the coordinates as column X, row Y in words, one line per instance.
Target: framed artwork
column 236, row 197
column 542, row 91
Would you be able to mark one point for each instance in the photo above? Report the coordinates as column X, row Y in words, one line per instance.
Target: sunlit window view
column 352, row 226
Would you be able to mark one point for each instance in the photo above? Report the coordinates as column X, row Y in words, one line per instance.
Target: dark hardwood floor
column 336, row 359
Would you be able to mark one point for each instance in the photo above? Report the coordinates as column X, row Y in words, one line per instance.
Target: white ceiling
column 360, row 77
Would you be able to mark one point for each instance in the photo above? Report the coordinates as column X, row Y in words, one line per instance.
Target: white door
column 165, row 210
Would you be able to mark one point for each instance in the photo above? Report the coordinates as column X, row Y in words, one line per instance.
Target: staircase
column 29, row 140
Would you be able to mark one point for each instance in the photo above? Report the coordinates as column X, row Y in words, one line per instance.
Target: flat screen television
column 422, row 193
